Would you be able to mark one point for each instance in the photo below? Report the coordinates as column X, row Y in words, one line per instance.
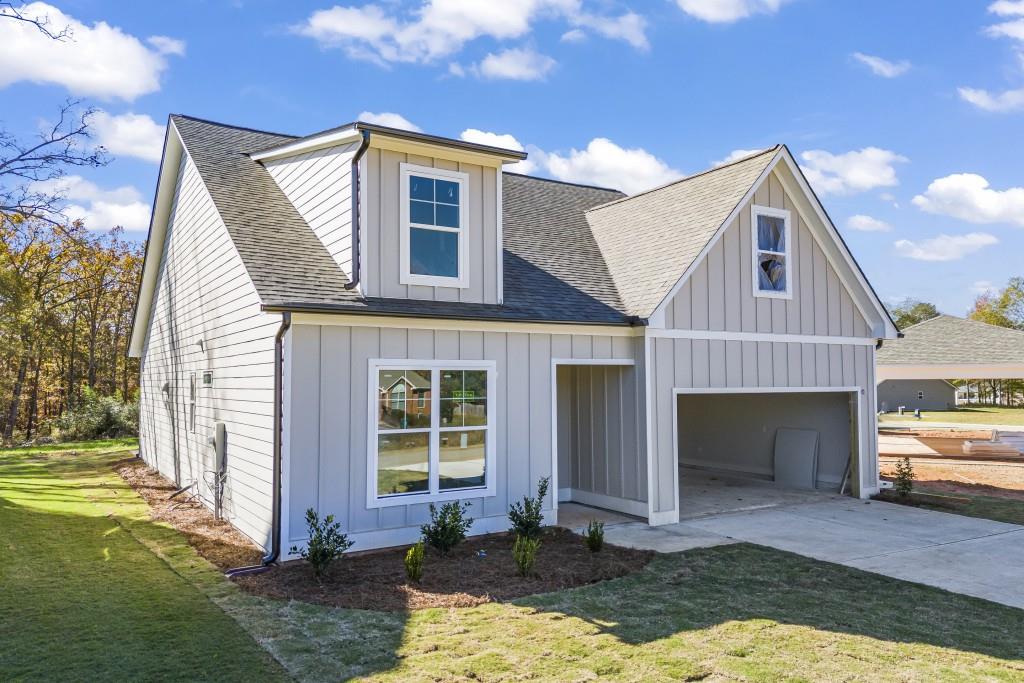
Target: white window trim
column 434, row 494
column 405, row 276
column 755, row 211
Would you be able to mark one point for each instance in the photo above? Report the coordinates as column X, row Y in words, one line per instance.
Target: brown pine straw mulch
column 219, row 542
column 376, row 580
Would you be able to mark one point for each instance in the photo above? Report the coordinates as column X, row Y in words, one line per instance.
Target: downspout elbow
column 354, row 213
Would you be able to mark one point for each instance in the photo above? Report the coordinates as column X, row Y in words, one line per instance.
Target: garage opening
column 731, row 457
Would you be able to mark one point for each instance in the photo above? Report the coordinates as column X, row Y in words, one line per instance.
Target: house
column 368, row 320
column 914, row 371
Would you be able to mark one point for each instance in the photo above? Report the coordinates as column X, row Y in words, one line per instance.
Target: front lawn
column 973, row 415
column 94, row 590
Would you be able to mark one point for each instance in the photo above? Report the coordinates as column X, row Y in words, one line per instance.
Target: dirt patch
column 217, row 541
column 952, row 434
column 465, row 578
column 977, row 478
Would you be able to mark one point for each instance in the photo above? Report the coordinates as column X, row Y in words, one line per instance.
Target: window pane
column 771, row 273
column 458, row 413
column 403, row 399
column 771, row 233
column 447, row 215
column 402, row 463
column 447, row 191
column 462, row 459
column 421, row 212
column 463, row 384
column 433, row 252
column 421, row 188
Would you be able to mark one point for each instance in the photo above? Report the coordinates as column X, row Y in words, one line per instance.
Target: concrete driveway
column 962, row 554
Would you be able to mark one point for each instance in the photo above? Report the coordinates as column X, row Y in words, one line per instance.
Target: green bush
column 414, row 562
column 524, row 552
column 594, row 538
column 98, row 417
column 326, row 543
column 447, row 527
column 527, row 517
column 904, row 483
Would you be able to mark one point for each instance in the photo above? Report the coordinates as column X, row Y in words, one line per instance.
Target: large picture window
column 431, row 436
column 433, row 224
column 770, row 246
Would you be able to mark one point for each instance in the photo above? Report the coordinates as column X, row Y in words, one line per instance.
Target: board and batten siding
column 326, row 428
column 319, row 185
column 600, row 436
column 381, row 209
column 203, row 293
column 718, row 297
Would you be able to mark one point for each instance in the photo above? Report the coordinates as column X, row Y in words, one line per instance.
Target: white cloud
column 606, row 164
column 517, row 64
column 867, row 224
column 574, row 36
column 967, row 196
column 882, row 67
column 503, row 140
column 132, row 135
column 389, row 119
column 728, row 11
column 850, row 172
column 167, row 46
column 99, row 209
column 735, row 155
column 944, row 247
column 440, row 28
column 99, row 60
column 1007, row 8
column 982, row 286
column 1006, row 101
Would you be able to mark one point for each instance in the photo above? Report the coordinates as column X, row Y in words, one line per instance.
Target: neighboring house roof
column 651, row 239
column 948, row 340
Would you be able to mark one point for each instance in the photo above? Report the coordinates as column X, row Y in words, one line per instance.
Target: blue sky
column 907, row 116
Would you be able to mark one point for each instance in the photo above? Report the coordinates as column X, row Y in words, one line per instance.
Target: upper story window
column 433, row 227
column 772, row 255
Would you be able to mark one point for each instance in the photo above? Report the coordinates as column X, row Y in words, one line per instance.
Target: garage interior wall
column 600, row 447
column 736, row 432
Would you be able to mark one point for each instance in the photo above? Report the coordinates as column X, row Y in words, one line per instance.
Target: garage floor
column 704, row 493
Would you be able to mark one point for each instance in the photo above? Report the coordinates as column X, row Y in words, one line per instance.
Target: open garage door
column 733, row 435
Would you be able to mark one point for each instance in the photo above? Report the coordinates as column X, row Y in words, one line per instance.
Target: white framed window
column 771, row 252
column 431, row 435
column 434, row 229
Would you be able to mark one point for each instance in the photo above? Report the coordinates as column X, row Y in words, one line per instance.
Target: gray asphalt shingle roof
column 951, row 340
column 564, row 259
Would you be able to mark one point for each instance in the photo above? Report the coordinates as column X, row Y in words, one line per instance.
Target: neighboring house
column 382, row 319
column 912, row 371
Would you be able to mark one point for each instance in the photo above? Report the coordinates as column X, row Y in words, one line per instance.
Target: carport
column 725, row 441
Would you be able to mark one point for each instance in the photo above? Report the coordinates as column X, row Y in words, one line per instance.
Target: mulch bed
column 916, row 499
column 217, row 541
column 376, row 580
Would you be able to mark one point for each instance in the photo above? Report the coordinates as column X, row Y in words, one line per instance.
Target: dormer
column 427, row 209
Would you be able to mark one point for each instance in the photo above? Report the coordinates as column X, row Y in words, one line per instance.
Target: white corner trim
column 722, row 335
column 663, row 518
column 405, row 274
column 500, row 239
column 331, row 139
column 757, row 210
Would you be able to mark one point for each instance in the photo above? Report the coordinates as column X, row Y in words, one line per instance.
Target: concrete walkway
column 962, row 554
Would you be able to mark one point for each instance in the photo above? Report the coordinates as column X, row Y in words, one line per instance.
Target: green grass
column 973, row 415
column 119, row 598
column 96, row 446
column 83, row 594
column 1007, row 510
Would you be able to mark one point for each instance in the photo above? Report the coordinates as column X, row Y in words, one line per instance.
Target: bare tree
column 40, row 21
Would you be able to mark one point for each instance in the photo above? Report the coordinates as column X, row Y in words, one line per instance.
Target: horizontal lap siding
column 327, row 431
column 319, row 184
column 204, row 293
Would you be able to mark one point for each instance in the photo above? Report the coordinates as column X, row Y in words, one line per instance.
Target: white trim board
column 361, row 320
column 636, row 508
column 722, row 335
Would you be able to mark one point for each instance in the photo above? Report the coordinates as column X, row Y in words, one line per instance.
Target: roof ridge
column 706, row 171
column 232, row 126
column 563, row 182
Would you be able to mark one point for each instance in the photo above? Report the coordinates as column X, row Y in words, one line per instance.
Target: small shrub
column 594, row 537
column 527, row 517
column 98, row 417
column 904, row 483
column 414, row 562
column 524, row 552
column 326, row 543
column 447, row 527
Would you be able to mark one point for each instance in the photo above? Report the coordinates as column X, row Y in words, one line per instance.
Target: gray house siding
column 381, row 229
column 938, row 394
column 327, row 427
column 203, row 293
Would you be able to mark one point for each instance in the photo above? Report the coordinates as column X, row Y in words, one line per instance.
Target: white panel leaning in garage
column 375, row 320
